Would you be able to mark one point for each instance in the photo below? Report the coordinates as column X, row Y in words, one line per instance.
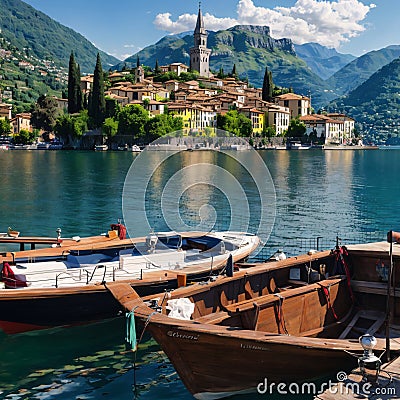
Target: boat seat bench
column 213, row 318
column 271, row 298
column 379, row 288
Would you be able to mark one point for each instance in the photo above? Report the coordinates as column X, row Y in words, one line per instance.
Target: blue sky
column 124, row 27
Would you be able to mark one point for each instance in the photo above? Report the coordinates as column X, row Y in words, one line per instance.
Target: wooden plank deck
column 353, row 387
column 88, row 243
column 377, row 248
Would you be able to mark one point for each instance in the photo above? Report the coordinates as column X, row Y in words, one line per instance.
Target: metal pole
column 389, row 285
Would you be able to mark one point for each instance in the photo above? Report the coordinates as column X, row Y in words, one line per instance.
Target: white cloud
column 187, row 22
column 330, row 23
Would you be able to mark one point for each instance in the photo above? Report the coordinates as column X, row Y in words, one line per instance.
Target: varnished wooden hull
column 255, row 327
column 214, row 365
column 24, row 310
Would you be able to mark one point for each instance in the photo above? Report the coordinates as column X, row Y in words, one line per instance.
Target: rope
column 281, row 317
column 135, row 357
column 327, row 293
column 339, row 257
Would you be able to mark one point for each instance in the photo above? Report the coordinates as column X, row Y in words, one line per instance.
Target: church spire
column 199, row 54
column 200, row 22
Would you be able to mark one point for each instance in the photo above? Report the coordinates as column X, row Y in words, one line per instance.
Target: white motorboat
column 135, row 149
column 101, row 147
column 154, row 254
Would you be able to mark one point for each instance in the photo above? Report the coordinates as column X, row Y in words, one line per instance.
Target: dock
column 353, row 387
column 58, row 248
column 32, row 240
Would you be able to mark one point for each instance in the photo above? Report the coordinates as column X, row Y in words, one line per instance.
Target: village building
column 256, row 117
column 330, row 130
column 86, row 84
column 348, row 127
column 21, row 121
column 297, row 104
column 279, row 118
column 177, row 67
column 5, row 111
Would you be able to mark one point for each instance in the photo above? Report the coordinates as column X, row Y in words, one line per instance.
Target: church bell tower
column 199, row 54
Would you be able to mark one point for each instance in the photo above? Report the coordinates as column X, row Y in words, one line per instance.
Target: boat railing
column 70, row 275
column 81, row 274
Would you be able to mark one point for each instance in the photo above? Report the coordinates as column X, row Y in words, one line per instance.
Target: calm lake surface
column 352, row 194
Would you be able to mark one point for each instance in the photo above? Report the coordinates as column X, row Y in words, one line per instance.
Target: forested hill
column 376, row 102
column 25, row 27
column 360, row 69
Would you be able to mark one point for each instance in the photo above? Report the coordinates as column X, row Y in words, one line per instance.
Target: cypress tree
column 72, row 100
column 97, row 100
column 75, row 102
column 137, row 62
column 157, row 68
column 267, row 89
column 234, row 71
column 79, row 96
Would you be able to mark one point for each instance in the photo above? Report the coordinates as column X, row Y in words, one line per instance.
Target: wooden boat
column 12, row 232
column 60, row 246
column 40, row 297
column 287, row 321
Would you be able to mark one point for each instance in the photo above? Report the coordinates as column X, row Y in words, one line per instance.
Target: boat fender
column 121, row 230
column 229, row 266
column 9, row 278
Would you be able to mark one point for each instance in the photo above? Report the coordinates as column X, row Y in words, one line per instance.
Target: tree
column 110, row 127
column 131, row 121
column 69, row 127
column 267, row 89
column 161, row 125
column 25, row 137
column 269, row 132
column 157, row 69
column 97, row 100
column 79, row 96
column 235, row 123
column 221, row 74
column 233, row 73
column 5, row 127
column 296, row 129
column 112, row 108
column 75, row 102
column 137, row 61
column 45, row 113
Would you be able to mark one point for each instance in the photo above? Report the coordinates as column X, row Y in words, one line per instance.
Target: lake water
column 352, row 194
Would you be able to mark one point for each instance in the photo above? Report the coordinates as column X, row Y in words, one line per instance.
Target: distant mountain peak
column 257, row 29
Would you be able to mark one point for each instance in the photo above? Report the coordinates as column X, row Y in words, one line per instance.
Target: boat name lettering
column 252, row 347
column 182, row 335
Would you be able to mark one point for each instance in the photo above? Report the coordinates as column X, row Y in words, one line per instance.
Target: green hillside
column 24, row 77
column 360, row 69
column 251, row 48
column 27, row 28
column 376, row 103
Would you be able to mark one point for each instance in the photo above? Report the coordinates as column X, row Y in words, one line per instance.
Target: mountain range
column 251, row 49
column 322, row 60
column 376, row 102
